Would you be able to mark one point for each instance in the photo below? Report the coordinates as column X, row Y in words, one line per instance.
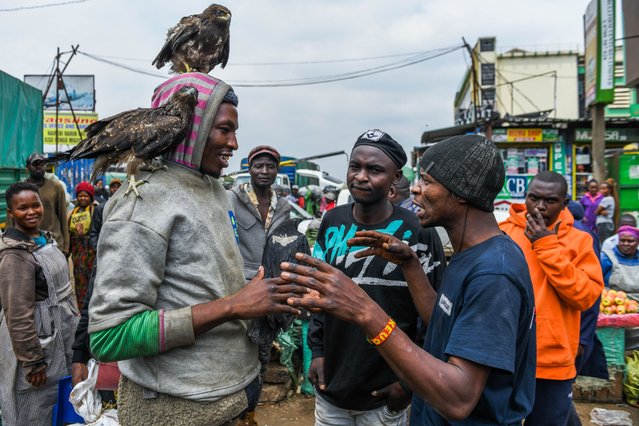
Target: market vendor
column 620, row 264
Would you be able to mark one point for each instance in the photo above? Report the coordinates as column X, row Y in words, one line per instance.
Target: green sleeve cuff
column 135, row 338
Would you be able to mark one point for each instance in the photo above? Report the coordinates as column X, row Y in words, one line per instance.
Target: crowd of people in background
column 495, row 334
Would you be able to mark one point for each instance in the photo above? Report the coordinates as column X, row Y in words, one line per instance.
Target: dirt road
column 298, row 411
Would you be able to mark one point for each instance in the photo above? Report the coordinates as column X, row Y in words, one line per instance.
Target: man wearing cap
column 114, row 185
column 478, row 361
column 257, row 208
column 170, row 305
column 566, row 277
column 354, row 384
column 54, row 201
column 258, row 211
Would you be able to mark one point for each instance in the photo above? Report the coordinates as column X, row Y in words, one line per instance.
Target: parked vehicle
column 317, row 177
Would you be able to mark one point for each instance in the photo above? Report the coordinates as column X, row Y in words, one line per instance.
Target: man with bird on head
column 171, row 313
column 197, row 43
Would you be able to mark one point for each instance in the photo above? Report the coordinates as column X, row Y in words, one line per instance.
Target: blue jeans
column 327, row 414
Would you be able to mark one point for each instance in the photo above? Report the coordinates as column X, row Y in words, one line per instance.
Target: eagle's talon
column 133, row 186
column 153, row 167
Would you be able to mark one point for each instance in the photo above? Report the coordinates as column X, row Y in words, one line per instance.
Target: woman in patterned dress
column 82, row 252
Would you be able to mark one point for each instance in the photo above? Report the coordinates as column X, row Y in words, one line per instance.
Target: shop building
column 531, row 104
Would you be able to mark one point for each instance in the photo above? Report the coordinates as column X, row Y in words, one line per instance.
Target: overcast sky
column 303, row 120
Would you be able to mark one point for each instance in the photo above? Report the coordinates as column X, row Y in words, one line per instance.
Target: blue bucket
column 63, row 412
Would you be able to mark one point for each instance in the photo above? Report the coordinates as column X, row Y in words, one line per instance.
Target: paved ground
column 298, row 411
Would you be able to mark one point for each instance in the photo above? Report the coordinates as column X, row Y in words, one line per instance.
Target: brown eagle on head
column 135, row 136
column 198, row 42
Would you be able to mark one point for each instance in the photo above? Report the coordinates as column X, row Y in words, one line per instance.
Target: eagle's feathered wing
column 198, row 42
column 281, row 246
column 137, row 135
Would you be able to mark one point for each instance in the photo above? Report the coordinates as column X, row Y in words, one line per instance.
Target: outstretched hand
column 332, row 291
column 536, row 227
column 383, row 245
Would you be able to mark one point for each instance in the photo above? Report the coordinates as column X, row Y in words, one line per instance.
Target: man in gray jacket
column 259, row 212
column 257, row 208
column 172, row 303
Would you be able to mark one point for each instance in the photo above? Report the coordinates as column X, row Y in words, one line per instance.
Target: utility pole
column 59, row 85
column 475, row 85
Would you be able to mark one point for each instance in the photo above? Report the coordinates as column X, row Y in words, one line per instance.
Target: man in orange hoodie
column 566, row 278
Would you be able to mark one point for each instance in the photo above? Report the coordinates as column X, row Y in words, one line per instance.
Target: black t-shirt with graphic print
column 353, row 367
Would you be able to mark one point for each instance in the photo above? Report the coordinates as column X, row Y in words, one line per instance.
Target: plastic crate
column 614, row 344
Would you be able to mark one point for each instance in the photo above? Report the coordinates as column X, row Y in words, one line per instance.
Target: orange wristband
column 384, row 334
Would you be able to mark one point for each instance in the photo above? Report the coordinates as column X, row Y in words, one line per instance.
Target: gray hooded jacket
column 171, row 249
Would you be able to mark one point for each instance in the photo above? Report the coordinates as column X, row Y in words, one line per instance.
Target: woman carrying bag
column 38, row 316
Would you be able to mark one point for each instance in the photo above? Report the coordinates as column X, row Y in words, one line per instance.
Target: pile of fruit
column 616, row 302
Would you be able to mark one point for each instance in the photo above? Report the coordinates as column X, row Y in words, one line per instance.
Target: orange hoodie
column 567, row 279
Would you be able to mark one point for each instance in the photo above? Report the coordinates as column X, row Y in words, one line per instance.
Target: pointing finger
column 300, row 279
column 362, row 241
column 370, row 234
column 365, row 253
column 312, row 261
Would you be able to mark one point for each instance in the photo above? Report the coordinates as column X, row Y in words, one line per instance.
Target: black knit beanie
column 470, row 166
column 384, row 142
column 231, row 97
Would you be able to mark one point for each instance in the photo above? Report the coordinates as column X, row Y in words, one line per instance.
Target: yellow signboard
column 524, row 135
column 67, row 132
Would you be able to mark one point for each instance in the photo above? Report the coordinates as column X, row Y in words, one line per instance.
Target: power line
column 126, row 67
column 628, row 37
column 512, row 85
column 527, row 74
column 408, row 61
column 40, row 6
column 276, row 63
column 342, row 77
column 332, row 61
column 303, row 81
column 547, row 73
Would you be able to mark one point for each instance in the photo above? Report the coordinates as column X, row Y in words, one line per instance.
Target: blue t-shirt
column 485, row 313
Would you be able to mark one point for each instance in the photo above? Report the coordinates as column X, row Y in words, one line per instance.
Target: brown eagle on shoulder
column 198, row 42
column 135, row 136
